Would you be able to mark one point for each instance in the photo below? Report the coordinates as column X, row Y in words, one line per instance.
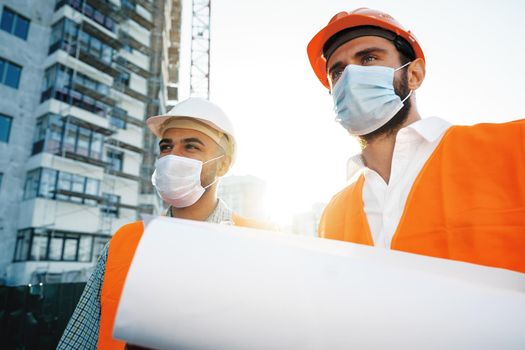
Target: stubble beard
column 393, row 125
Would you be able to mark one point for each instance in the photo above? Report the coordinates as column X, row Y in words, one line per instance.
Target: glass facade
column 59, row 185
column 14, row 23
column 40, row 244
column 54, row 134
column 65, row 35
column 89, row 11
column 59, row 82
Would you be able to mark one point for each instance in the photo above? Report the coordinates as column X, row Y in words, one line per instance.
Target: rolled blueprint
column 195, row 285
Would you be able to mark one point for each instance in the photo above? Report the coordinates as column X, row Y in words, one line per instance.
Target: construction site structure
column 77, row 158
column 200, row 49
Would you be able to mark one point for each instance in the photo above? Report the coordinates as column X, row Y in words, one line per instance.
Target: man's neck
column 201, row 210
column 377, row 154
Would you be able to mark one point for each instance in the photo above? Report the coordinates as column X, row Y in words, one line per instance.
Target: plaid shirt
column 82, row 330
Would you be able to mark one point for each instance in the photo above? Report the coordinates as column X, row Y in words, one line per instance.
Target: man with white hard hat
column 197, row 147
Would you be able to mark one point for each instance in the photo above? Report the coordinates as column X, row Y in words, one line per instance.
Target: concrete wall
column 20, row 104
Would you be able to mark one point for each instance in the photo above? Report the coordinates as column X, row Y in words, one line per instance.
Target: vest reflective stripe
column 120, row 254
column 467, row 203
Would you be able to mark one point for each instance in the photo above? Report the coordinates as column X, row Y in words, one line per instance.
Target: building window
column 40, row 244
column 82, row 7
column 65, row 35
column 59, row 84
column 118, row 118
column 53, row 184
column 10, row 73
column 5, row 127
column 1, row 178
column 110, row 205
column 128, row 4
column 50, row 137
column 14, row 23
column 115, row 159
column 122, row 79
column 22, row 245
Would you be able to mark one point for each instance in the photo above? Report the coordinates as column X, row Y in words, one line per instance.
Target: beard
column 393, row 125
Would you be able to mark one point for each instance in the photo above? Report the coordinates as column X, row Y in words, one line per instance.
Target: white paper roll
column 195, row 285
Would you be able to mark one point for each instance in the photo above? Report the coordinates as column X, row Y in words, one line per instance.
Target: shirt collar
column 221, row 214
column 430, row 129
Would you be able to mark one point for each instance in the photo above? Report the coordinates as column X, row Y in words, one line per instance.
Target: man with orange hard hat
column 421, row 185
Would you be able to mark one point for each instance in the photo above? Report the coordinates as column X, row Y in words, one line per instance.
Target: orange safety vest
column 120, row 254
column 467, row 203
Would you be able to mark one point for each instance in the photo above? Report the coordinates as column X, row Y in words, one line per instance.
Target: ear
column 416, row 73
column 224, row 165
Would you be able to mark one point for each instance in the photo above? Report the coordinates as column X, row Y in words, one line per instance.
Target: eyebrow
column 369, row 51
column 359, row 54
column 187, row 140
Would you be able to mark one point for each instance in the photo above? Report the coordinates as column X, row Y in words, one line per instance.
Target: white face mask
column 178, row 180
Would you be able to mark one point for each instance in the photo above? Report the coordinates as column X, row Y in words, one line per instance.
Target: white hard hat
column 201, row 110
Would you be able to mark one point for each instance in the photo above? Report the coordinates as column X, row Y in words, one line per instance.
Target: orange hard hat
column 362, row 17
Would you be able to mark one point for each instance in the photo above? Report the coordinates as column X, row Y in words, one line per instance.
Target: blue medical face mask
column 364, row 98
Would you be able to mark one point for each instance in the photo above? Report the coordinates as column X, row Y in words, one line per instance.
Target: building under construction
column 77, row 80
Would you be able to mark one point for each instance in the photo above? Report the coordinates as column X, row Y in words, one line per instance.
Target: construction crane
column 200, row 49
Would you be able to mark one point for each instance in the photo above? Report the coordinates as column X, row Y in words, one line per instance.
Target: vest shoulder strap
column 344, row 218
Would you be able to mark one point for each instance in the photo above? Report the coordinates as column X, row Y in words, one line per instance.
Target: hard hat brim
column 315, row 47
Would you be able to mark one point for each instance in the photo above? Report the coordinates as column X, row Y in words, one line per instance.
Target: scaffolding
column 200, row 49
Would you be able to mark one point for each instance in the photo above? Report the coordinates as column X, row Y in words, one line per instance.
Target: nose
column 177, row 150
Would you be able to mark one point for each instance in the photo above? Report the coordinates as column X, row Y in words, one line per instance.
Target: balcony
column 132, row 67
column 144, row 3
column 93, row 93
column 133, row 43
column 103, row 12
column 90, row 29
column 82, row 195
column 85, row 124
column 84, row 159
column 124, row 145
column 130, row 92
column 122, row 174
column 132, row 14
column 97, row 62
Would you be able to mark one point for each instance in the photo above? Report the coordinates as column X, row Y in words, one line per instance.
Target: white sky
column 283, row 116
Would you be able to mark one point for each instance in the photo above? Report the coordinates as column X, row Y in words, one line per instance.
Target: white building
column 77, row 80
column 245, row 195
column 306, row 223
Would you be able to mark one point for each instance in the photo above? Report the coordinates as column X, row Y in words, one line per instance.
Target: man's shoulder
column 127, row 232
column 481, row 134
column 341, row 197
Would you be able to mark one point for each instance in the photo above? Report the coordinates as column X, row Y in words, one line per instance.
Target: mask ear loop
column 406, row 98
column 403, row 66
column 410, row 93
column 211, row 160
column 216, row 178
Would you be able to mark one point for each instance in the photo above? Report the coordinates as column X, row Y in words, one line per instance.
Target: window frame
column 86, row 252
column 6, row 65
column 19, row 22
column 9, row 119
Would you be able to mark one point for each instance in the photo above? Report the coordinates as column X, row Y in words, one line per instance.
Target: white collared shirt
column 384, row 203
